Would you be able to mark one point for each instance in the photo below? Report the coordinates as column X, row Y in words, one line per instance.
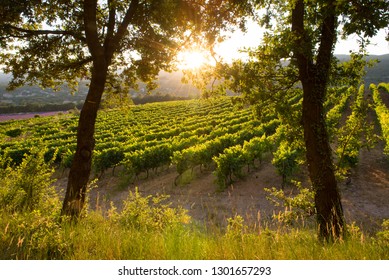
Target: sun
column 192, row 59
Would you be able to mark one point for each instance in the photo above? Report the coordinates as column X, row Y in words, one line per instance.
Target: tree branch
column 30, row 33
column 91, row 32
column 111, row 27
column 78, row 64
column 327, row 40
column 124, row 25
column 300, row 51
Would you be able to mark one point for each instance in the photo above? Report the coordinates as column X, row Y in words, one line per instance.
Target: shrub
column 27, row 187
column 286, row 160
column 14, row 132
column 236, row 227
column 296, row 208
column 384, row 234
column 149, row 213
column 30, row 209
column 229, row 163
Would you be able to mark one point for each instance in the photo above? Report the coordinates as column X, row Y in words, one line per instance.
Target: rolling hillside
column 35, row 99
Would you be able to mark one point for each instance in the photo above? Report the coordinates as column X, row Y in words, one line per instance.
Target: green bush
column 28, row 186
column 229, row 163
column 297, row 208
column 16, row 154
column 14, row 132
column 30, row 209
column 148, row 213
column 108, row 158
column 286, row 160
column 384, row 234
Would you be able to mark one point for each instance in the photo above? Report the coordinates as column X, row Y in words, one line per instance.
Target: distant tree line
column 158, row 98
column 38, row 108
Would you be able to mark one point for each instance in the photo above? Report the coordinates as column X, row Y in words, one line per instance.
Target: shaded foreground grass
column 34, row 236
column 146, row 228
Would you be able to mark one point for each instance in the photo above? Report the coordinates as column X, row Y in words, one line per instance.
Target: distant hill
column 36, row 99
column 378, row 73
column 31, row 98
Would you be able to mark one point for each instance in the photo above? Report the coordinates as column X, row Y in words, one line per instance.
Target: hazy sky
column 253, row 36
column 378, row 44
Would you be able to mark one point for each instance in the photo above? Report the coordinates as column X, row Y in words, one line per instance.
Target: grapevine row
column 382, row 112
column 350, row 135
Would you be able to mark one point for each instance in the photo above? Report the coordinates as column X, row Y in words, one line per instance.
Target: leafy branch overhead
column 296, row 54
column 111, row 43
column 47, row 43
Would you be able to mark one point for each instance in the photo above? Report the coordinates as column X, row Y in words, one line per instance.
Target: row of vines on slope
column 195, row 133
column 382, row 111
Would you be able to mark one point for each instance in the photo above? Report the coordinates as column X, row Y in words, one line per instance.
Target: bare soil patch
column 365, row 196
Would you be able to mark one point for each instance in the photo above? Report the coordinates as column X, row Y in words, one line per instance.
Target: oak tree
column 297, row 52
column 111, row 43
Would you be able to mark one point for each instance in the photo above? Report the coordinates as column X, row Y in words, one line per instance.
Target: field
column 214, row 160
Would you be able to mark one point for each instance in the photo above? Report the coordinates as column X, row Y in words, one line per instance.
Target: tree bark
column 320, row 165
column 82, row 162
column 314, row 79
column 81, row 166
column 101, row 58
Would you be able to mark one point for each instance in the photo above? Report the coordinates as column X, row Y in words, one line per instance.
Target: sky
column 252, row 38
column 378, row 46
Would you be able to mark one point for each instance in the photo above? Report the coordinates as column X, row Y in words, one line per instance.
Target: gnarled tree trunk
column 102, row 53
column 320, row 166
column 82, row 162
column 314, row 78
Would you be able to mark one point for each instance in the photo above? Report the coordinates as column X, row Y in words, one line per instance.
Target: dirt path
column 365, row 197
column 201, row 196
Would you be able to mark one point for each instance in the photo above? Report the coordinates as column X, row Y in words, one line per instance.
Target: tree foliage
column 47, row 43
column 111, row 43
column 297, row 53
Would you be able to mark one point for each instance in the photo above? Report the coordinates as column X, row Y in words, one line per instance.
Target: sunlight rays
column 193, row 59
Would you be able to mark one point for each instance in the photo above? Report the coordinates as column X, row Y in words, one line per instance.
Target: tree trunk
column 102, row 58
column 82, row 162
column 314, row 78
column 320, row 166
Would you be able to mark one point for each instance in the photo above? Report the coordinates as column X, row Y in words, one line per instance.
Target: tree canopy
column 296, row 59
column 111, row 43
column 45, row 42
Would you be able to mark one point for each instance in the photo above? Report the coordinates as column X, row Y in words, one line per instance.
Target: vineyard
column 220, row 136
column 143, row 138
column 204, row 130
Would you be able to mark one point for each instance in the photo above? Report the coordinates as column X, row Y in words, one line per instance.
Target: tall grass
column 148, row 228
column 96, row 237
